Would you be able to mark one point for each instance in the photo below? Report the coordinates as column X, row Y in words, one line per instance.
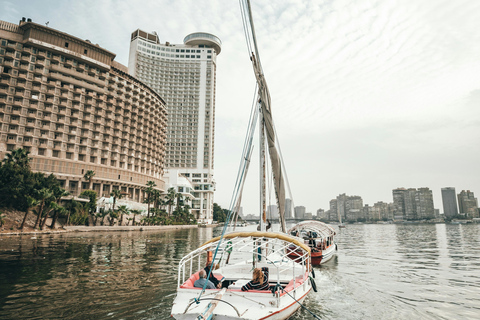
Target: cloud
column 367, row 95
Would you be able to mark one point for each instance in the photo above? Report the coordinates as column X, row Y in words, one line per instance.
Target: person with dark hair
column 212, row 278
column 259, row 281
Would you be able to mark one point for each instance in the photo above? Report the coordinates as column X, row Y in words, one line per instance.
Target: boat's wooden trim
column 259, row 234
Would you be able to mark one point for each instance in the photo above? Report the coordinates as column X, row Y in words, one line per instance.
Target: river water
column 380, row 272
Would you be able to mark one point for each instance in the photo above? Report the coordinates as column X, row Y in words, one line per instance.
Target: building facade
column 75, row 109
column 449, row 200
column 468, row 204
column 184, row 75
column 413, row 204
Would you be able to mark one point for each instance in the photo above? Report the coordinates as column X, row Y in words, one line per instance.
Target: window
column 41, row 152
column 81, row 157
column 55, row 153
column 69, row 155
column 85, row 51
column 66, row 44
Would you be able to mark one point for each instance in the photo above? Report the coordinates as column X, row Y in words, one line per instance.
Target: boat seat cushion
column 298, row 282
column 194, row 277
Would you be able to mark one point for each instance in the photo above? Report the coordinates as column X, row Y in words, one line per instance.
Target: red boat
column 319, row 236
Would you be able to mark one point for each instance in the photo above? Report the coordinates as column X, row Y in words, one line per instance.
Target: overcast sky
column 367, row 96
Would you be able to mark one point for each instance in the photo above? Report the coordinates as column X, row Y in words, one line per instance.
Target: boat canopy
column 322, row 230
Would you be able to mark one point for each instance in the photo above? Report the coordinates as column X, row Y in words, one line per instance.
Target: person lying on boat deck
column 201, row 281
column 259, row 281
column 212, row 278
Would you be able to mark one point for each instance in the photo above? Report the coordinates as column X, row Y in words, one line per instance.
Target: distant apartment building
column 288, row 208
column 185, row 76
column 333, row 211
column 348, row 208
column 300, row 212
column 399, row 203
column 380, row 211
column 75, row 109
column 424, row 204
column 449, row 199
column 468, row 204
column 272, row 213
column 322, row 214
column 412, row 204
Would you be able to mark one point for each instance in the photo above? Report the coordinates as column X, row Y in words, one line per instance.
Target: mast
column 266, row 121
column 263, row 205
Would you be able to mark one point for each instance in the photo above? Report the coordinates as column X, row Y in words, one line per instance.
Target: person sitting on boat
column 201, row 281
column 212, row 278
column 259, row 281
column 311, row 240
column 269, row 225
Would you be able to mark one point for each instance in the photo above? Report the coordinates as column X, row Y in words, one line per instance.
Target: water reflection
column 380, row 272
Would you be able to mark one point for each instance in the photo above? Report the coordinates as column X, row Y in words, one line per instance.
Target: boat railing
column 256, row 249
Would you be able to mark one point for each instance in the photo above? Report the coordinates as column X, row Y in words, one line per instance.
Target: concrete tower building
column 449, row 200
column 75, row 109
column 184, row 75
column 468, row 204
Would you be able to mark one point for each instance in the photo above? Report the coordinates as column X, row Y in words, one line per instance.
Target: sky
column 367, row 95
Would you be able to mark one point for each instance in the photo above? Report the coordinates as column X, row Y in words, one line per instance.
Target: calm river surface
column 380, row 272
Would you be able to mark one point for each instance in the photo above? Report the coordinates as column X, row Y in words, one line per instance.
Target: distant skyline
column 367, row 96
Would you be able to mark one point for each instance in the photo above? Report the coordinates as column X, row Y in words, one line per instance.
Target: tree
column 71, row 207
column 2, row 219
column 18, row 157
column 31, row 203
column 88, row 176
column 123, row 210
column 135, row 212
column 149, row 191
column 43, row 196
column 219, row 214
column 58, row 193
column 116, row 194
column 170, row 199
column 92, row 204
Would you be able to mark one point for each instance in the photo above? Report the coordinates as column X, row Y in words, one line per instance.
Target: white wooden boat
column 237, row 255
column 319, row 236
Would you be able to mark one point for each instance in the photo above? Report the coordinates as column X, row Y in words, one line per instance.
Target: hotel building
column 184, row 75
column 75, row 109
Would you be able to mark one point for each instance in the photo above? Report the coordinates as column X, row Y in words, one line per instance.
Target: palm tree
column 18, row 157
column 31, row 203
column 135, row 212
column 170, row 199
column 58, row 193
column 88, row 176
column 149, row 191
column 43, row 195
column 116, row 194
column 71, row 206
column 123, row 210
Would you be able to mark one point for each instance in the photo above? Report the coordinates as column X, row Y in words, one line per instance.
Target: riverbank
column 13, row 219
column 70, row 229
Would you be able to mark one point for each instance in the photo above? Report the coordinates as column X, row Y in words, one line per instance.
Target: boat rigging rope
column 237, row 189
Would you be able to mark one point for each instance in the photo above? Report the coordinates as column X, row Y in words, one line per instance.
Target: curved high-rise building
column 75, row 109
column 184, row 75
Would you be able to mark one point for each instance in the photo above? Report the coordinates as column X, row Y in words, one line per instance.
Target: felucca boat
column 237, row 254
column 319, row 236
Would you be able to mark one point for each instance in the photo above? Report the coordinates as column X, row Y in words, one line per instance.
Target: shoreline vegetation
column 36, row 202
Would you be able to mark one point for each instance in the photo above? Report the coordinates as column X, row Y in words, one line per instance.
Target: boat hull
column 318, row 257
column 249, row 308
